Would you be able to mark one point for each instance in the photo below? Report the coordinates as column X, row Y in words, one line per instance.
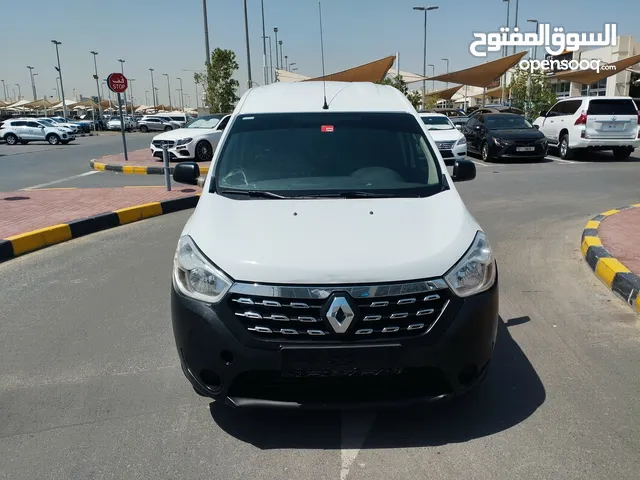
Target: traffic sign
column 117, row 82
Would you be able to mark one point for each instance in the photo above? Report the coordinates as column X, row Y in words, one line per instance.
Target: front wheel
column 204, row 152
column 144, row 128
column 53, row 139
column 167, row 129
column 622, row 153
column 484, row 150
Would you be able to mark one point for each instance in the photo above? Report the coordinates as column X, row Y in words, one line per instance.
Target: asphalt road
column 40, row 164
column 90, row 385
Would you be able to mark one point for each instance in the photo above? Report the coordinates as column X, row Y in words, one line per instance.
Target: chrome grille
column 289, row 313
column 160, row 143
column 445, row 145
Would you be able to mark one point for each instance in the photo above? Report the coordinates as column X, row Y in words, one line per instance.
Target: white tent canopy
column 19, row 103
column 68, row 103
column 407, row 77
column 286, row 76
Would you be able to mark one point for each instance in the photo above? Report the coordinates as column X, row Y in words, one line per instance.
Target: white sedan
column 196, row 141
column 449, row 139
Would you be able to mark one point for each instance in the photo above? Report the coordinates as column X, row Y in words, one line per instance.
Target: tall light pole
column 246, row 39
column 535, row 48
column 275, row 30
column 425, row 9
column 125, row 92
column 181, row 93
column 505, row 51
column 19, row 91
column 168, row 90
column 270, row 59
column 146, row 97
column 433, row 74
column 515, row 25
column 131, row 80
column 264, row 47
column 153, row 90
column 4, row 90
column 286, row 63
column 33, row 83
column 59, row 69
column 95, row 76
column 157, row 95
column 446, row 60
column 206, row 32
column 281, row 61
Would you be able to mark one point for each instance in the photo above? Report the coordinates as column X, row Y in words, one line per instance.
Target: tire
column 144, row 128
column 53, row 139
column 622, row 153
column 167, row 129
column 204, row 151
column 484, row 152
column 564, row 151
column 11, row 139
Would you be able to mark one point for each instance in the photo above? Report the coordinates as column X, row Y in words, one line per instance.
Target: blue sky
column 168, row 35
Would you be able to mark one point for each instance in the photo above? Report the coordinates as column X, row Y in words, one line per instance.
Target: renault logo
column 340, row 314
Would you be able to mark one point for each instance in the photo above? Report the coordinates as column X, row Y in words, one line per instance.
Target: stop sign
column 117, row 82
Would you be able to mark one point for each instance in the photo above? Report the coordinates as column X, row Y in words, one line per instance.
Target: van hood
column 332, row 241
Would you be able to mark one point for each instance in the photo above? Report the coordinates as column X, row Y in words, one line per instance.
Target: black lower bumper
column 226, row 363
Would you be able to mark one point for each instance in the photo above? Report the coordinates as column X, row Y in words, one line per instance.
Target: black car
column 504, row 136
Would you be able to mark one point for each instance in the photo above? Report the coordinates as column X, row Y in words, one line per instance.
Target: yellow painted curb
column 590, row 242
column 99, row 166
column 139, row 212
column 592, row 224
column 37, row 239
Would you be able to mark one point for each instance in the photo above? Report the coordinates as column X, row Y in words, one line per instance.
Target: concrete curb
column 23, row 243
column 135, row 169
column 620, row 280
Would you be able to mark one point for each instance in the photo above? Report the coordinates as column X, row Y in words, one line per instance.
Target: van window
column 318, row 153
column 612, row 107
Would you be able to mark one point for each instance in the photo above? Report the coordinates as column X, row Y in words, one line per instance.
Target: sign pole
column 124, row 140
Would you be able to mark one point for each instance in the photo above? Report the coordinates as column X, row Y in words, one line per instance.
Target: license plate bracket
column 339, row 361
column 525, row 149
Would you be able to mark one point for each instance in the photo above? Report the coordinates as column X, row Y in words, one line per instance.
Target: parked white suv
column 25, row 130
column 596, row 123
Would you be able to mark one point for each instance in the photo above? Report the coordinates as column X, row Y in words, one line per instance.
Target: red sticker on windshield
column 326, row 128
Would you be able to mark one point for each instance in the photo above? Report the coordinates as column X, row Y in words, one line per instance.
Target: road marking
column 59, row 188
column 355, row 428
column 91, row 172
column 556, row 159
column 478, row 162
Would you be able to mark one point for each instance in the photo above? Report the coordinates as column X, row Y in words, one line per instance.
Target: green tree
column 218, row 83
column 531, row 91
column 397, row 82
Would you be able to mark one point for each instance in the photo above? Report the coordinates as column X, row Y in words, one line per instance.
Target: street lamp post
column 33, row 83
column 59, row 69
column 146, row 97
column 433, row 74
column 286, row 62
column 206, row 32
column 246, row 39
column 95, row 76
column 125, row 92
column 131, row 80
column 156, row 93
column 425, row 9
column 505, row 51
column 515, row 25
column 264, row 48
column 19, row 91
column 535, row 48
column 153, row 91
column 270, row 59
column 281, row 61
column 275, row 30
column 181, row 93
column 169, row 90
column 446, row 60
column 4, row 90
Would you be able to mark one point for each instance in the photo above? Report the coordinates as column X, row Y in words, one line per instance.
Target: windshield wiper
column 355, row 194
column 251, row 193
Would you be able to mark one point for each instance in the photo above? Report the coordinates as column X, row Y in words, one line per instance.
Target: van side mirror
column 187, row 173
column 464, row 170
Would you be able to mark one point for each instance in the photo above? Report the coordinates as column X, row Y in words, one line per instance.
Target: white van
column 577, row 124
column 330, row 259
column 177, row 117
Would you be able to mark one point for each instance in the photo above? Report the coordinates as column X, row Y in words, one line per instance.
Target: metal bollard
column 167, row 172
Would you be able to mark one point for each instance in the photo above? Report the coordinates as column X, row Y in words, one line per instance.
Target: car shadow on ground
column 510, row 160
column 602, row 157
column 511, row 392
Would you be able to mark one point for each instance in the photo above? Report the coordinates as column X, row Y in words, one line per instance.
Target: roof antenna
column 324, row 81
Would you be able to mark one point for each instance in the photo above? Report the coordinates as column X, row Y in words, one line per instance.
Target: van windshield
column 327, row 154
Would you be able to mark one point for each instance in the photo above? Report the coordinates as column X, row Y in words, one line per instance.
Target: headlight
column 462, row 141
column 476, row 271
column 498, row 141
column 183, row 141
column 195, row 276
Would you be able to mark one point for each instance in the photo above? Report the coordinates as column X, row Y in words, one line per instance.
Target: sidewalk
column 27, row 217
column 140, row 162
column 611, row 246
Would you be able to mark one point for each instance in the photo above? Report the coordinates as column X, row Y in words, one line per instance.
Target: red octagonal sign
column 117, row 82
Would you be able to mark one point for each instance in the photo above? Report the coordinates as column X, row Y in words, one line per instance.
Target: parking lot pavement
column 91, row 387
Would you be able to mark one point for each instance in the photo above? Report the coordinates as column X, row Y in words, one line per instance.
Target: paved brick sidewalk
column 142, row 158
column 24, row 211
column 620, row 235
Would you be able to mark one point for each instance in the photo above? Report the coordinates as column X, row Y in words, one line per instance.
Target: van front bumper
column 226, row 363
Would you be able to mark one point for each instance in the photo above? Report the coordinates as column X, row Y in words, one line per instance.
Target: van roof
column 308, row 97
